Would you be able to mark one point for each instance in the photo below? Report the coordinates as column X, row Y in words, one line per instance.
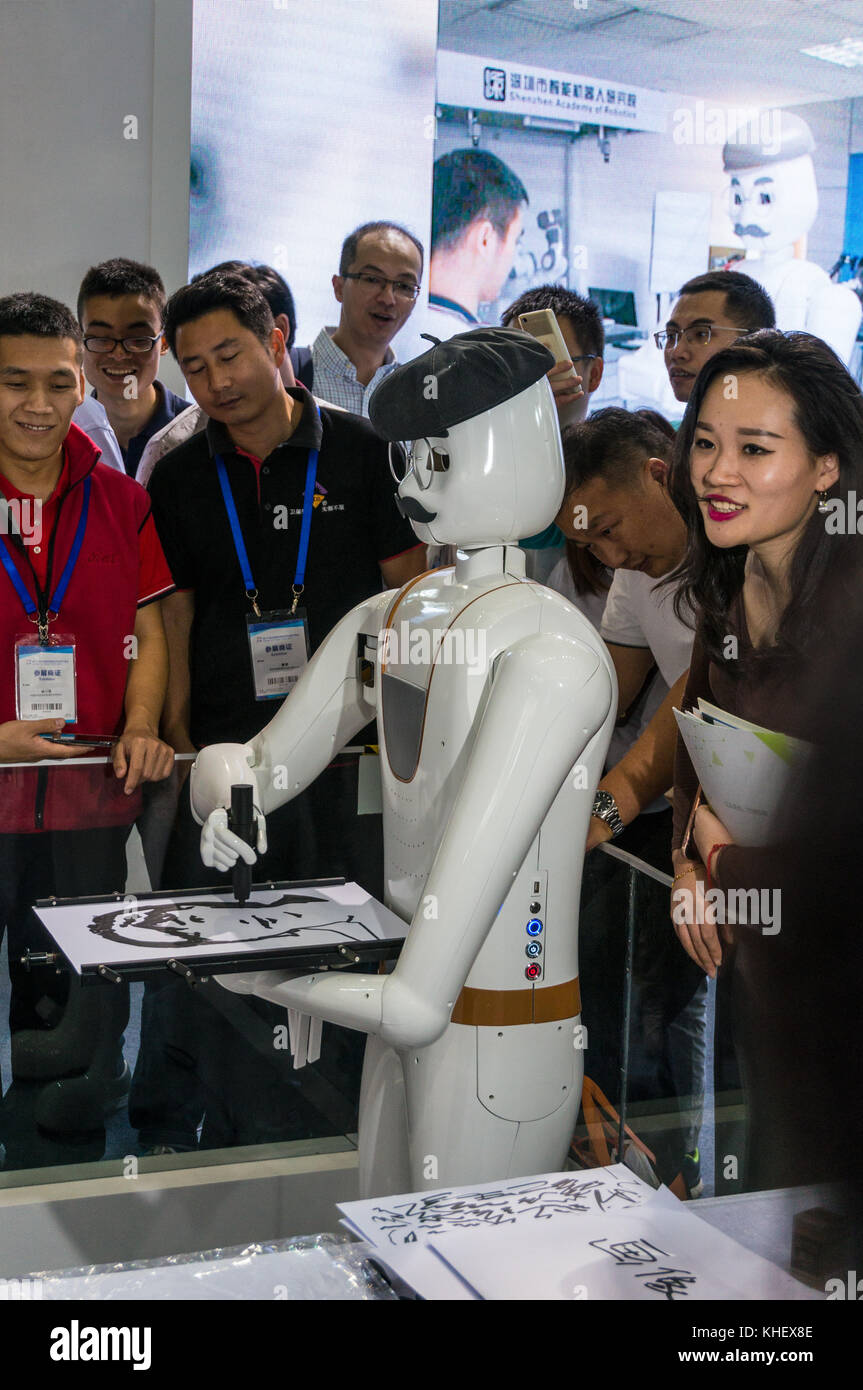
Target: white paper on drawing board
column 526, row 1201
column 650, row 1253
column 212, row 924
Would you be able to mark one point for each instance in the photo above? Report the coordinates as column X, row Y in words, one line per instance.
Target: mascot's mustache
column 749, row 230
column 412, row 510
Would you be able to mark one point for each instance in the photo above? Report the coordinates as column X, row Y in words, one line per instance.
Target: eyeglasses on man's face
column 402, row 289
column 137, row 344
column 698, row 335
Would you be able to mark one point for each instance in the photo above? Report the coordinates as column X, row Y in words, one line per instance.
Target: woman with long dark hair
column 771, row 439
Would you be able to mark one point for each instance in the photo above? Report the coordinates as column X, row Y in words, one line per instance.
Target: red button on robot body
column 533, row 972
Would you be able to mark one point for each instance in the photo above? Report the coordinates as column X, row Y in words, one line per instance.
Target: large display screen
column 311, row 119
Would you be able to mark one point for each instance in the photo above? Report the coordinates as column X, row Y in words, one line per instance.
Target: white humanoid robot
column 773, row 202
column 493, row 731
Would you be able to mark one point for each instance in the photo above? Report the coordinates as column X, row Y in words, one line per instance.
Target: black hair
column 584, row 315
column 469, row 184
column 746, row 302
column 613, row 444
column 121, row 276
column 219, row 290
column 352, row 241
column 35, row 315
column 226, row 267
column 272, row 285
column 589, row 575
column 276, row 291
column 828, row 412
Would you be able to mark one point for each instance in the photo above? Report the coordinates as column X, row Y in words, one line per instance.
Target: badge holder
column 279, row 650
column 45, row 677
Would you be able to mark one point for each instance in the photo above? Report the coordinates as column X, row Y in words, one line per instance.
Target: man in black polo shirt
column 282, row 456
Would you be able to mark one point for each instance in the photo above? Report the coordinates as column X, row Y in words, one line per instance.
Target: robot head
column 484, row 464
column 773, row 197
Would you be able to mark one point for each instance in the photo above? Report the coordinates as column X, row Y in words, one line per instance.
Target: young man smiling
column 120, row 308
column 82, row 596
column 710, row 312
column 380, row 270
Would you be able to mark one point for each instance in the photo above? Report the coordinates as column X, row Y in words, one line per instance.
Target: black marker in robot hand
column 241, row 821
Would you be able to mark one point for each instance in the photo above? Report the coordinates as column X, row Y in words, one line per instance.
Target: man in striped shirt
column 380, row 270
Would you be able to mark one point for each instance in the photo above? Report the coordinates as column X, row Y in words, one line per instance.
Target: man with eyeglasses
column 120, row 308
column 380, row 270
column 711, row 311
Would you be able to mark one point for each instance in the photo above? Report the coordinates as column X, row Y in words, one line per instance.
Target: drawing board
column 205, row 926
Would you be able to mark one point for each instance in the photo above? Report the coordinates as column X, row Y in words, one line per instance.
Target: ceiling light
column 848, row 53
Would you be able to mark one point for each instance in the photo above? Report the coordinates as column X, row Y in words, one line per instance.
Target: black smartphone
column 82, row 740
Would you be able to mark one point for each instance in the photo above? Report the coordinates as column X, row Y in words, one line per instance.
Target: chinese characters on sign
column 465, row 80
column 554, row 87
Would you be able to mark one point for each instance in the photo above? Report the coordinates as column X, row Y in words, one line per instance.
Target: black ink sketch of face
column 197, row 923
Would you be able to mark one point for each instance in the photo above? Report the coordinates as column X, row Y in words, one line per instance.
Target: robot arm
column 326, row 708
column 550, row 698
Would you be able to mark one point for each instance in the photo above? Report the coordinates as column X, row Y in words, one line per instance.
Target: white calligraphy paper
column 651, row 1252
column 530, row 1201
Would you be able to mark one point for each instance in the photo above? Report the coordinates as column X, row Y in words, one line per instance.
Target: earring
column 823, row 504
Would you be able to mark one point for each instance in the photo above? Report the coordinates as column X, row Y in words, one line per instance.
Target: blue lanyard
column 240, row 545
column 44, row 607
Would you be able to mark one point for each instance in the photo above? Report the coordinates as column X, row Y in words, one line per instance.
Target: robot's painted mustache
column 749, row 230
column 413, row 510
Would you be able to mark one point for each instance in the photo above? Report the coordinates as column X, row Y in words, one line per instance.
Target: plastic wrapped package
column 302, row 1269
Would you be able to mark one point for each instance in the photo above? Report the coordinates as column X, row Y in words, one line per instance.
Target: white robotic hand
column 221, row 848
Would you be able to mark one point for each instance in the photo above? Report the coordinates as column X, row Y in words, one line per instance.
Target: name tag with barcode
column 45, row 684
column 279, row 650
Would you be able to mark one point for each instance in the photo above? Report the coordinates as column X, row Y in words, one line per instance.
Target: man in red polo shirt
column 81, row 644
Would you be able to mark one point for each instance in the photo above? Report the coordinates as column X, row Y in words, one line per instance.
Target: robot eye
column 440, row 461
column 765, row 198
column 738, row 200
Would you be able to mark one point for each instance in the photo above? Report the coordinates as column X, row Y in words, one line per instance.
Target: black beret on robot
column 455, row 380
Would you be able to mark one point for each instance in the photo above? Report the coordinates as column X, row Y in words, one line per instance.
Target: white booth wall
column 81, row 181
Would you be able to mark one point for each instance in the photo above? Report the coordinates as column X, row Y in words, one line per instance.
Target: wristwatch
column 605, row 808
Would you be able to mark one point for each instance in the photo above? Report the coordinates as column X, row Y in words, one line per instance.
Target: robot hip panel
column 470, row 1095
column 527, row 1072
